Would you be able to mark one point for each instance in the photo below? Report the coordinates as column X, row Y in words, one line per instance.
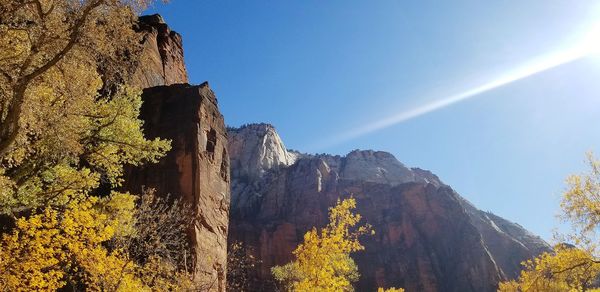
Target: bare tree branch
column 10, row 126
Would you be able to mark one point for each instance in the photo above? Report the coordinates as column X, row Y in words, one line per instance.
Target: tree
column 42, row 39
column 570, row 267
column 241, row 265
column 157, row 242
column 59, row 137
column 100, row 244
column 581, row 207
column 159, row 226
column 51, row 249
column 68, row 124
column 323, row 261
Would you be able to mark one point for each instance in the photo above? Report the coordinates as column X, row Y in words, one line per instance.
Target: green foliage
column 58, row 135
column 97, row 144
column 62, row 135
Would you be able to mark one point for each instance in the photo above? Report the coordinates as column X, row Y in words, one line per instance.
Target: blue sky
column 316, row 69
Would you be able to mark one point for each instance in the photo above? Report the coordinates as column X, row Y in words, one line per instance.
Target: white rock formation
column 375, row 166
column 255, row 149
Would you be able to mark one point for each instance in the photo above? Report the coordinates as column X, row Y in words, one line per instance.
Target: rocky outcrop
column 255, row 149
column 375, row 166
column 428, row 238
column 508, row 242
column 161, row 61
column 196, row 169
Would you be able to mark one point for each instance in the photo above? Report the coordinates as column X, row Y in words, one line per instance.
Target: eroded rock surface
column 196, row 169
column 255, row 150
column 161, row 61
column 428, row 238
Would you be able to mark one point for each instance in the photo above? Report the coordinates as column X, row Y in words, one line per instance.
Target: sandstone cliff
column 197, row 167
column 428, row 237
column 255, row 151
column 161, row 61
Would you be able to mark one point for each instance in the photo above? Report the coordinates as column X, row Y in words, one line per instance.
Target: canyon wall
column 428, row 238
column 197, row 167
column 161, row 61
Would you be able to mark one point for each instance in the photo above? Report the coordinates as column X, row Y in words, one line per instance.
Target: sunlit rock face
column 508, row 242
column 161, row 61
column 255, row 150
column 428, row 238
column 197, row 167
column 372, row 166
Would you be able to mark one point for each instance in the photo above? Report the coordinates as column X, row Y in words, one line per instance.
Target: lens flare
column 588, row 47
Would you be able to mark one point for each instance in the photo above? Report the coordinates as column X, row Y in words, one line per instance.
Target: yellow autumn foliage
column 58, row 247
column 581, row 206
column 323, row 261
column 69, row 124
column 62, row 126
column 566, row 269
column 570, row 267
column 48, row 250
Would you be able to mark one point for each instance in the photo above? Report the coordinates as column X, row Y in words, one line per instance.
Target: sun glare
column 591, row 42
column 588, row 46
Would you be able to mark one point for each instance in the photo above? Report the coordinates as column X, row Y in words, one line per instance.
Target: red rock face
column 424, row 240
column 196, row 169
column 161, row 61
column 428, row 238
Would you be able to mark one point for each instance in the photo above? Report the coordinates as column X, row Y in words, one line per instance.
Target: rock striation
column 197, row 167
column 257, row 149
column 428, row 238
column 161, row 61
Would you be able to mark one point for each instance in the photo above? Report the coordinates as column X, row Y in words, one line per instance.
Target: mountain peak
column 257, row 127
column 289, row 192
column 257, row 148
column 161, row 60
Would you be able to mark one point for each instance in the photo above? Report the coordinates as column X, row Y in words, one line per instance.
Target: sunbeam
column 588, row 47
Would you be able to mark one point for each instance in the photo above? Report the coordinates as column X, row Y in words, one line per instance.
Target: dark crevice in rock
column 225, row 166
column 184, row 113
column 211, row 142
